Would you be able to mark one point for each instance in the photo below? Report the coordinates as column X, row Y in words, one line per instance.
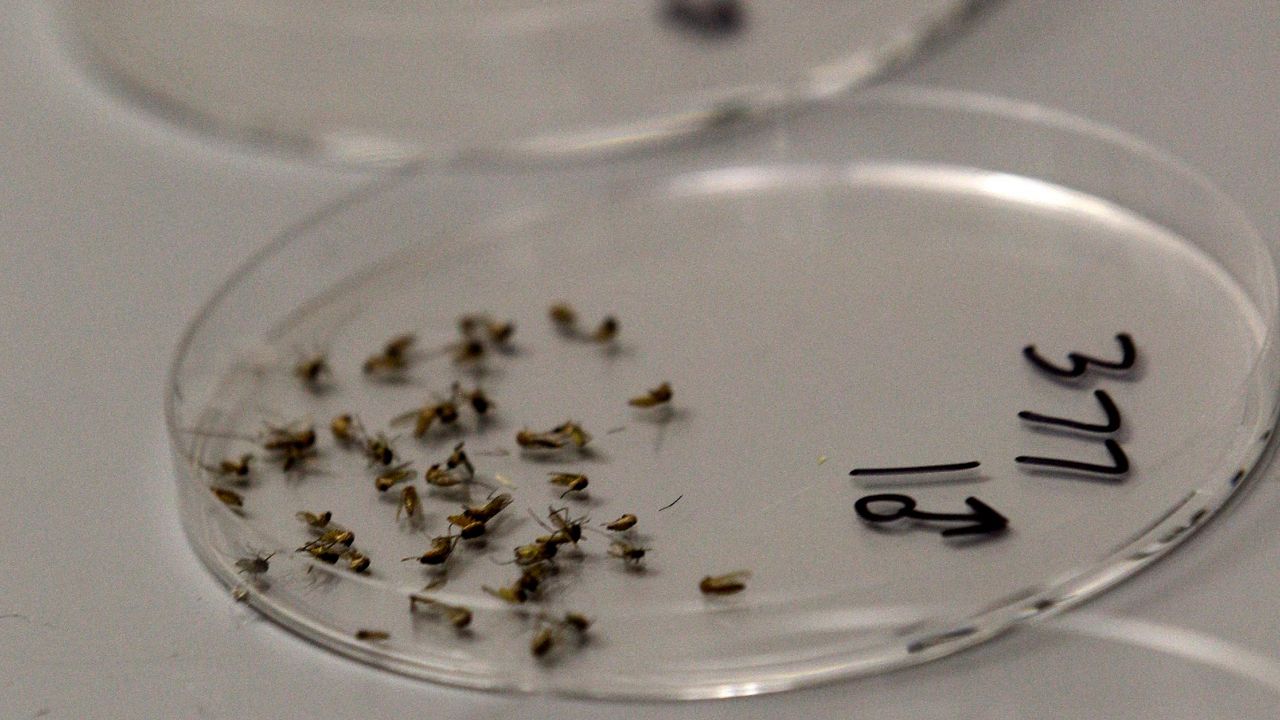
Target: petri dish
column 905, row 279
column 382, row 83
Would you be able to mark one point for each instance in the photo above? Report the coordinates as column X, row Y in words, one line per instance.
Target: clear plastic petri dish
column 381, row 83
column 938, row 365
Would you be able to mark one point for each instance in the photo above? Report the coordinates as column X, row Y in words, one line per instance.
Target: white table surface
column 115, row 227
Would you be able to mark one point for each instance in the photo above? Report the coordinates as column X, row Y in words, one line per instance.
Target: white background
column 115, row 228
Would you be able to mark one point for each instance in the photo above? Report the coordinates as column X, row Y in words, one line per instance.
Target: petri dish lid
column 382, row 83
column 1072, row 333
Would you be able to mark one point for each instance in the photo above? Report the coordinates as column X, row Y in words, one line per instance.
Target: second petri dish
column 940, row 364
column 387, row 82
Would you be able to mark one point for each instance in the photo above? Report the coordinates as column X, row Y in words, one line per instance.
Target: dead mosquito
column 552, row 632
column 532, row 577
column 623, row 523
column 330, row 545
column 513, row 594
column 468, row 352
column 572, row 482
column 438, row 553
column 437, row 476
column 399, row 345
column 289, row 437
column 481, row 325
column 654, row 397
column 254, row 566
column 325, row 553
column 393, row 476
column 290, row 445
column 229, row 468
column 377, row 449
column 574, row 432
column 565, row 320
column 335, row 544
column 726, row 584
column 348, row 431
column 382, row 365
column 393, row 358
column 479, row 333
column 565, row 530
column 424, row 417
column 409, row 503
column 312, row 371
column 543, row 640
column 447, row 412
column 458, row 458
column 577, row 621
column 563, row 435
column 530, row 440
column 456, row 470
column 475, row 397
column 627, row 552
column 607, row 331
column 316, row 521
column 345, row 428
column 468, row 527
column 330, row 538
column 459, row 616
column 356, row 560
column 230, row 498
column 526, row 586
column 540, row 550
column 486, row 512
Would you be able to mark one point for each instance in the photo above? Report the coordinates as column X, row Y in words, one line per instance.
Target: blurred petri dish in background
column 851, row 289
column 384, row 82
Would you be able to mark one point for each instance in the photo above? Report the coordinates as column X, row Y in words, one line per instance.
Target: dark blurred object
column 711, row 18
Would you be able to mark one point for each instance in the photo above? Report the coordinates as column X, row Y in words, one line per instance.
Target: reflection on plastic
column 1061, row 669
column 1182, row 642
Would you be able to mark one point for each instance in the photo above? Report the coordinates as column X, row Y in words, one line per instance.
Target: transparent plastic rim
column 917, row 642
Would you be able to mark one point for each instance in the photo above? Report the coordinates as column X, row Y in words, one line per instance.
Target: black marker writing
column 915, row 469
column 1111, row 425
column 1080, row 363
column 984, row 520
column 1120, row 462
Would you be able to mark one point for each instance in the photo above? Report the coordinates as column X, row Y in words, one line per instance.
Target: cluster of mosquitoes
column 983, row 520
column 294, row 446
